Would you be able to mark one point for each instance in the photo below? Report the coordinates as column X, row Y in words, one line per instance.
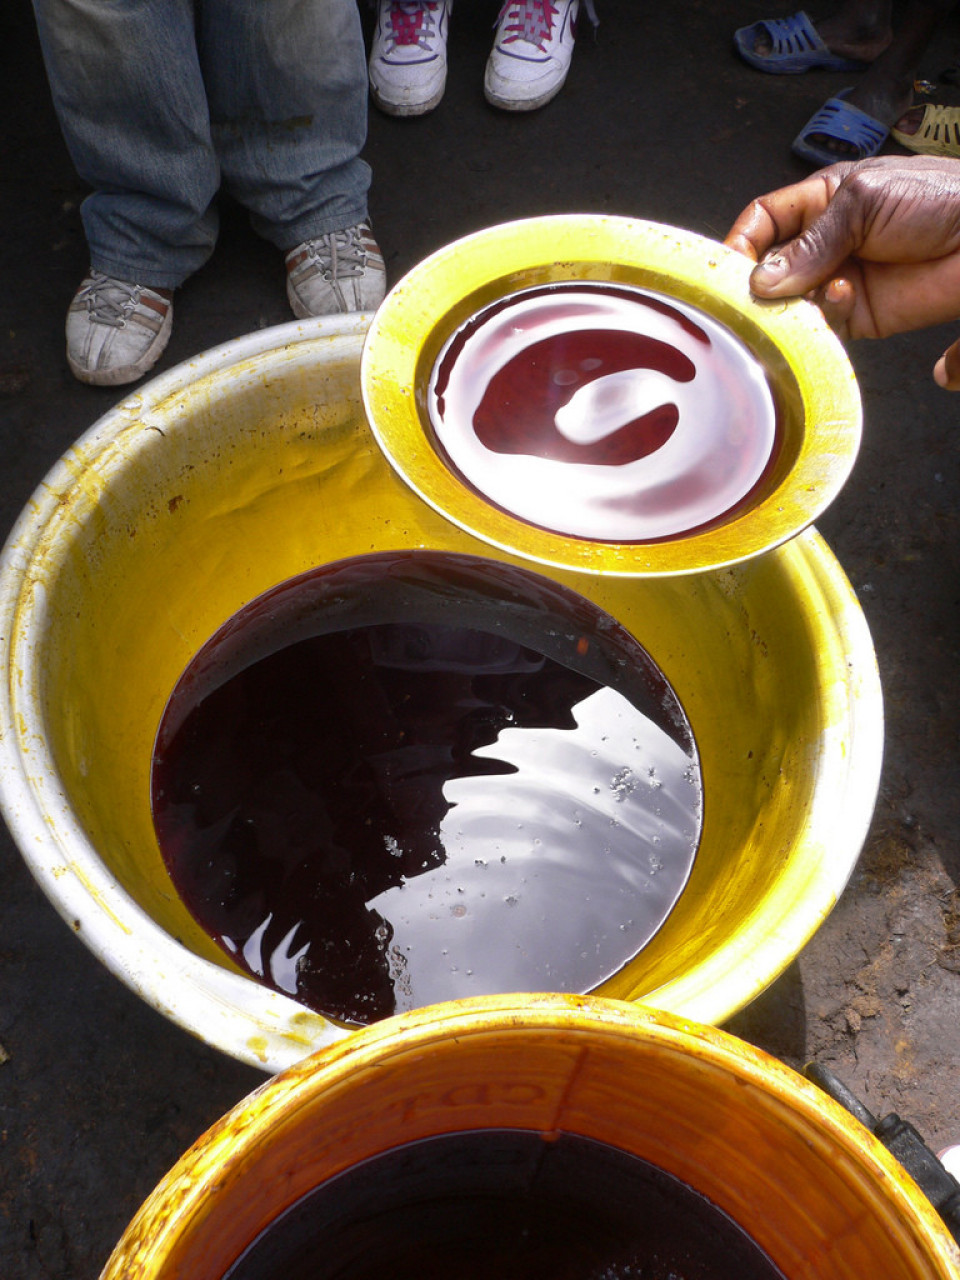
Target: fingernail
column 940, row 372
column 769, row 272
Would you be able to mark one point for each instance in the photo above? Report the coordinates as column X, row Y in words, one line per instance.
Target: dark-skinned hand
column 875, row 243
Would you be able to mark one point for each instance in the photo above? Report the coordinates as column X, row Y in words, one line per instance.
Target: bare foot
column 860, row 44
column 863, row 43
column 884, row 100
column 910, row 121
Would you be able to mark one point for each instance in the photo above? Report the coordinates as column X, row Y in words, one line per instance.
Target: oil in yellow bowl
column 794, row 1171
column 254, row 463
column 609, row 314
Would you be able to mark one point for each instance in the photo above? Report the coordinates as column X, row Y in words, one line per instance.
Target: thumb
column 810, row 259
column 946, row 372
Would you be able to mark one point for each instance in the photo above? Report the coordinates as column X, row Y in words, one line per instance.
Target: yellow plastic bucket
column 254, row 463
column 813, row 1188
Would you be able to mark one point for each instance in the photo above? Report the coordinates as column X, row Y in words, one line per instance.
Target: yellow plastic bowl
column 812, row 1187
column 819, row 403
column 254, row 463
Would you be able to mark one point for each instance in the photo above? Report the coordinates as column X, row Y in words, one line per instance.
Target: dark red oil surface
column 504, row 1205
column 542, row 379
column 603, row 411
column 410, row 777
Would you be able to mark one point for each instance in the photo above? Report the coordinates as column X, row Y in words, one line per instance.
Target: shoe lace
column 109, row 301
column 411, row 23
column 532, row 20
column 528, row 20
column 339, row 253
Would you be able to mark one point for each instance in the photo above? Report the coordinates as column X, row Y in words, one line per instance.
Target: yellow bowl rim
column 633, row 251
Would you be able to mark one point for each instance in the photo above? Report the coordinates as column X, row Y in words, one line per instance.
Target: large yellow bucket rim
column 226, row 1008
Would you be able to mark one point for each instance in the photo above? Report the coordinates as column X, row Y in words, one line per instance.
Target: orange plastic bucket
column 819, row 1194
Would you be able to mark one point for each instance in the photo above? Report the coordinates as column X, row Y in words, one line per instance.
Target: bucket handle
column 903, row 1142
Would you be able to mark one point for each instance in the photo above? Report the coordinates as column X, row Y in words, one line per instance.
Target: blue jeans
column 161, row 100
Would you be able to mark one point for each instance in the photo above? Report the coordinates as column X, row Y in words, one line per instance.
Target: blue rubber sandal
column 862, row 134
column 795, row 47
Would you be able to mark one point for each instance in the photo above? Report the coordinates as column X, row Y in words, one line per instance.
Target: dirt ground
column 99, row 1095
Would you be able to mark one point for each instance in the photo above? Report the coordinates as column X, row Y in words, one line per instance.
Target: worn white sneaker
column 531, row 53
column 408, row 56
column 341, row 271
column 116, row 330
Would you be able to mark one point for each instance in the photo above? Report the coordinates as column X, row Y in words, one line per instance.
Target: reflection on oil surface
column 410, row 777
column 603, row 411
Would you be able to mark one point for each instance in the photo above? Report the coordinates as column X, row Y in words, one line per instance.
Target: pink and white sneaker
column 531, row 53
column 408, row 56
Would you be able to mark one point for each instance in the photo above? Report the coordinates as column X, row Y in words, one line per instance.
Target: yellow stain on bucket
column 259, row 1046
column 98, row 898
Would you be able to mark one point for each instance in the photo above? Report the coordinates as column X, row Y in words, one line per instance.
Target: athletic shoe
column 116, row 330
column 531, row 53
column 408, row 56
column 341, row 271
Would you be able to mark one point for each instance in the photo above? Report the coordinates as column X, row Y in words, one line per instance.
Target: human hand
column 875, row 243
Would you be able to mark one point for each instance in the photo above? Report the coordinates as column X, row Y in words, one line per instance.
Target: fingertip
column 839, row 292
column 836, row 300
column 742, row 244
column 943, row 378
column 946, row 372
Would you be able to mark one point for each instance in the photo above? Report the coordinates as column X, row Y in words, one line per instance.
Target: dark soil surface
column 99, row 1095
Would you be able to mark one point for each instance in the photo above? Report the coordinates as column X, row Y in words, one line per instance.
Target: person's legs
column 127, row 88
column 910, row 118
column 885, row 91
column 287, row 87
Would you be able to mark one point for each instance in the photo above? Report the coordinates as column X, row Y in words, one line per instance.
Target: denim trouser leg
column 135, row 83
column 287, row 86
column 130, row 98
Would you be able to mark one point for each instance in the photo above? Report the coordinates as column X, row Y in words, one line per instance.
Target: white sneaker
column 116, row 330
column 531, row 53
column 339, row 272
column 408, row 56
